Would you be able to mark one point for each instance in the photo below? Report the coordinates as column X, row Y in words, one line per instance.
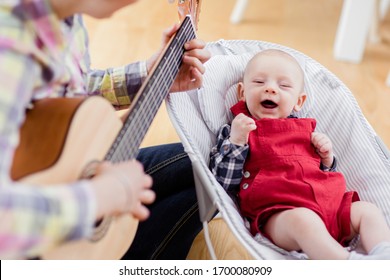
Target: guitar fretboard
column 149, row 98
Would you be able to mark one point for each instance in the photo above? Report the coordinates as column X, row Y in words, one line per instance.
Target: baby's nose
column 270, row 89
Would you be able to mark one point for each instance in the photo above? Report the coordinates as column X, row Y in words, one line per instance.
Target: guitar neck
column 149, row 98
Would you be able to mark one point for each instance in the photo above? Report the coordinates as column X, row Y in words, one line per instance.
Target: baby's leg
column 369, row 222
column 302, row 229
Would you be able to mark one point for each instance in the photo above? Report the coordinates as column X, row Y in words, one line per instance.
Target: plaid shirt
column 227, row 162
column 41, row 57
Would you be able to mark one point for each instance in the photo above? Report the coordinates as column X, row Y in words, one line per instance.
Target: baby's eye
column 285, row 85
column 259, row 82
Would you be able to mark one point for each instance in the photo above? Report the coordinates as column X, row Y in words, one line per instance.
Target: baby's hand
column 323, row 147
column 241, row 126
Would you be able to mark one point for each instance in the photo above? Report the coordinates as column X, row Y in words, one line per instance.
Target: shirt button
column 247, row 174
column 226, row 148
column 245, row 186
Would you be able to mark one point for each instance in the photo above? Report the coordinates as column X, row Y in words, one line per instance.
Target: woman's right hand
column 123, row 188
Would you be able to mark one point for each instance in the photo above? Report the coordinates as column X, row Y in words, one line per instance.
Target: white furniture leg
column 384, row 6
column 373, row 34
column 238, row 11
column 354, row 25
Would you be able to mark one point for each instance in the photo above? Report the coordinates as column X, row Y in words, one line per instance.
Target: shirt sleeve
column 227, row 161
column 118, row 85
column 332, row 168
column 33, row 218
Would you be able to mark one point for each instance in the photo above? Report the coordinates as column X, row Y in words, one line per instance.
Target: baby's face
column 273, row 85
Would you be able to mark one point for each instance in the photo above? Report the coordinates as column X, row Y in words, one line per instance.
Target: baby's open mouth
column 269, row 104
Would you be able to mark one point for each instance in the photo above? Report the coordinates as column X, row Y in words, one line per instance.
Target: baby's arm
column 241, row 126
column 227, row 161
column 323, row 147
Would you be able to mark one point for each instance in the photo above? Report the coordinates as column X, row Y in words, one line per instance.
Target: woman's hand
column 192, row 68
column 123, row 188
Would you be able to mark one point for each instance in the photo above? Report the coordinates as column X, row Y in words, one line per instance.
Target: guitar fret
column 150, row 98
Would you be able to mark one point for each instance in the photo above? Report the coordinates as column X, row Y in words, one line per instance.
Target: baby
column 283, row 174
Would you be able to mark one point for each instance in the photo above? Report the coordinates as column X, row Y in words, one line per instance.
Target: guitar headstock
column 189, row 7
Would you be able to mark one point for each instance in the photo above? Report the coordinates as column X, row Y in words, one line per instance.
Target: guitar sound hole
column 98, row 223
column 101, row 228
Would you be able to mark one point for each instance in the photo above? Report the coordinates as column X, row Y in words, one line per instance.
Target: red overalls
column 282, row 171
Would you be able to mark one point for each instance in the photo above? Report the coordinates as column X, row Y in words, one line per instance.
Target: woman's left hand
column 191, row 72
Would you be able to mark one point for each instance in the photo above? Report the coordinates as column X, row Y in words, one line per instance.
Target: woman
column 44, row 53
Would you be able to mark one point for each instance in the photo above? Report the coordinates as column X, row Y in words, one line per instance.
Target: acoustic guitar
column 56, row 144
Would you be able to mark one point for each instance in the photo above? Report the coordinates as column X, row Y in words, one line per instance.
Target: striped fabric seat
column 197, row 115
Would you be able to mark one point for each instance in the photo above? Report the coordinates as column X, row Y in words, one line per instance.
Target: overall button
column 247, row 174
column 245, row 186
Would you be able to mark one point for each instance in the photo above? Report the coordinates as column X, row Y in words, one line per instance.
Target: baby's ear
column 240, row 92
column 300, row 102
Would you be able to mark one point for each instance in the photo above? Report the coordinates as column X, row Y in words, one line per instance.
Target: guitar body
column 59, row 138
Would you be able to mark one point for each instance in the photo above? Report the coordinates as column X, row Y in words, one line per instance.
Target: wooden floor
column 134, row 33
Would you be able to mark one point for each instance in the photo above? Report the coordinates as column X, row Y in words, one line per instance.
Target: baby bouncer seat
column 197, row 116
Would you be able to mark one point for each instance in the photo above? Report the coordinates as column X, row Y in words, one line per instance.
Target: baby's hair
column 277, row 52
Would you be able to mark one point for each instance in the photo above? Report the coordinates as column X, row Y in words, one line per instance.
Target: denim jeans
column 174, row 221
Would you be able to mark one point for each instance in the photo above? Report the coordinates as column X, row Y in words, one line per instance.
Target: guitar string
column 120, row 149
column 156, row 102
column 143, row 117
